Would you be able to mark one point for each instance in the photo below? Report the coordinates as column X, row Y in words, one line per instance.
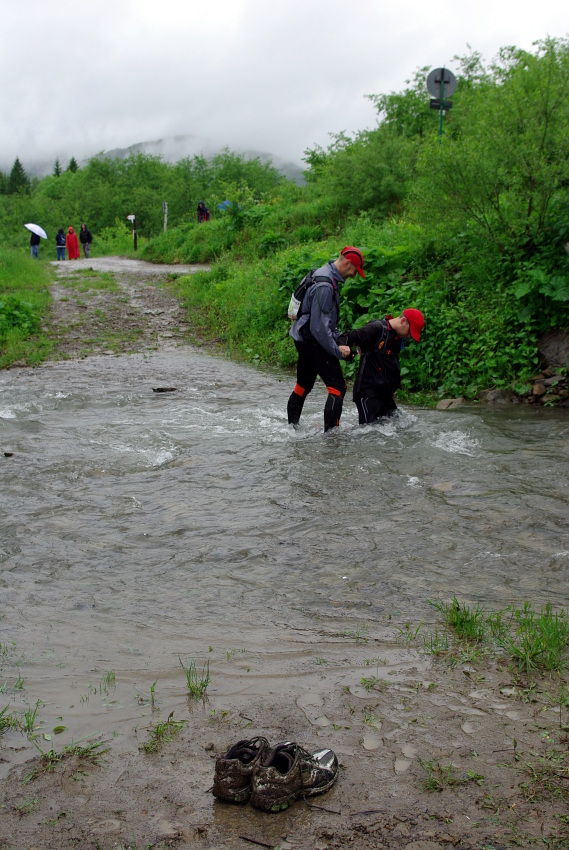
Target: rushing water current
column 137, row 526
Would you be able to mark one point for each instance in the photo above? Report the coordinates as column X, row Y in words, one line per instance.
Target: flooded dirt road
column 143, row 531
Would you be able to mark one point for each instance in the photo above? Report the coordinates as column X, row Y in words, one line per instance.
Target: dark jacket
column 85, row 236
column 34, row 239
column 60, row 238
column 320, row 311
column 379, row 373
column 203, row 212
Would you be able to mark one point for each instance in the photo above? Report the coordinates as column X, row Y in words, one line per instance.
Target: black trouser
column 313, row 362
column 371, row 408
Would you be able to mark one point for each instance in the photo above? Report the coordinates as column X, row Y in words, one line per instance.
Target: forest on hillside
column 471, row 227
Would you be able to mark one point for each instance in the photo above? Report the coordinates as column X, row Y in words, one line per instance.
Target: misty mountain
column 174, row 148
column 171, row 149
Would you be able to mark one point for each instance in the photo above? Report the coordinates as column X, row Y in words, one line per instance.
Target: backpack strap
column 322, row 278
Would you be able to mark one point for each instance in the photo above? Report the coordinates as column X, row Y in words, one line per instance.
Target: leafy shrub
column 17, row 314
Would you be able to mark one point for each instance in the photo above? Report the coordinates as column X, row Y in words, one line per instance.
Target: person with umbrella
column 36, row 232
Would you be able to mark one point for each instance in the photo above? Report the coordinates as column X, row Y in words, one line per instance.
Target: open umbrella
column 35, row 228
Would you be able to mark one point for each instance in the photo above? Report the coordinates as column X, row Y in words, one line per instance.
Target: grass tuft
column 197, row 683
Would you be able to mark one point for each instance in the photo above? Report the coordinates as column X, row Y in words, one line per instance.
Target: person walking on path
column 378, row 377
column 315, row 336
column 86, row 239
column 72, row 245
column 34, row 246
column 60, row 244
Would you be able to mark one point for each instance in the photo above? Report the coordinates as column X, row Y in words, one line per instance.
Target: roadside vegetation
column 471, row 227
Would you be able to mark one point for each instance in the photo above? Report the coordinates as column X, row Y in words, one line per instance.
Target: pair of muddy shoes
column 272, row 779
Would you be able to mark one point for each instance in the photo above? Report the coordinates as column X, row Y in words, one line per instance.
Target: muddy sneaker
column 289, row 772
column 233, row 771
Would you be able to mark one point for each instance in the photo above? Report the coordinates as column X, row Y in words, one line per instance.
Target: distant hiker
column 34, row 243
column 379, row 377
column 203, row 213
column 315, row 336
column 72, row 245
column 86, row 239
column 60, row 244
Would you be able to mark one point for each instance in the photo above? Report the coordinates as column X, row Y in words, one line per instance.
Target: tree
column 57, row 168
column 505, row 159
column 73, row 167
column 18, row 180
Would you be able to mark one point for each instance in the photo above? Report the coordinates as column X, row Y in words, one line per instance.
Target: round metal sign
column 448, row 82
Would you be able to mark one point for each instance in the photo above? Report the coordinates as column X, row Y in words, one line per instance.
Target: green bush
column 17, row 314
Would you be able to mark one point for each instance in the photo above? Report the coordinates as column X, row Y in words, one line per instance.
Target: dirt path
column 112, row 305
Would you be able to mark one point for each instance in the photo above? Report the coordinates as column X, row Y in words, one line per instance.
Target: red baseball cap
column 416, row 322
column 355, row 256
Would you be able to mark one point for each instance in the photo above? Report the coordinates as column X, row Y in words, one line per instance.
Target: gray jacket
column 319, row 313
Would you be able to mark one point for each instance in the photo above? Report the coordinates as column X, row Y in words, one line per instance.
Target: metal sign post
column 133, row 219
column 165, row 211
column 441, row 83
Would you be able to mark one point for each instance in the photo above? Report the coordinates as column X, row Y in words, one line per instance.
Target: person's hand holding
column 344, row 350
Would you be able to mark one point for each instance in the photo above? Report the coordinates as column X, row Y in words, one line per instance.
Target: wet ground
column 145, row 530
column 112, row 305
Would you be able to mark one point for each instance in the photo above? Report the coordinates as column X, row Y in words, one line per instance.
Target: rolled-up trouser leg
column 332, row 409
column 295, row 405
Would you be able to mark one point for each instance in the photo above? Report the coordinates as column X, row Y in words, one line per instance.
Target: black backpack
column 297, row 297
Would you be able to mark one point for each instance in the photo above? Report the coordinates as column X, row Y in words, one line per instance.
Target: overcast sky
column 271, row 75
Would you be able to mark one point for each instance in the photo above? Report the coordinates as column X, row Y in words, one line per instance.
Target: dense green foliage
column 469, row 227
column 24, row 298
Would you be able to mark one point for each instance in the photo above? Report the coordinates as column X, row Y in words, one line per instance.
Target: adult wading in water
column 315, row 336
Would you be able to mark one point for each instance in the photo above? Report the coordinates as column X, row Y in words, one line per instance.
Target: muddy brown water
column 142, row 527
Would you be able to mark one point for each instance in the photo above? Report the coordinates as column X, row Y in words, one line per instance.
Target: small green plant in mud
column 90, row 750
column 359, row 634
column 369, row 717
column 29, row 723
column 146, row 700
column 374, row 682
column 409, row 633
column 468, row 624
column 437, row 642
column 197, row 683
column 108, row 682
column 540, row 641
column 548, row 776
column 219, row 715
column 438, row 776
column 8, row 720
column 536, row 642
column 26, row 807
column 161, row 733
column 370, row 682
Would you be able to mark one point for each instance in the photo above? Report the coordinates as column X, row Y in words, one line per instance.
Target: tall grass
column 24, row 302
column 535, row 641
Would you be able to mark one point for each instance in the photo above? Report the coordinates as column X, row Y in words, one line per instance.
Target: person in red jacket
column 72, row 245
